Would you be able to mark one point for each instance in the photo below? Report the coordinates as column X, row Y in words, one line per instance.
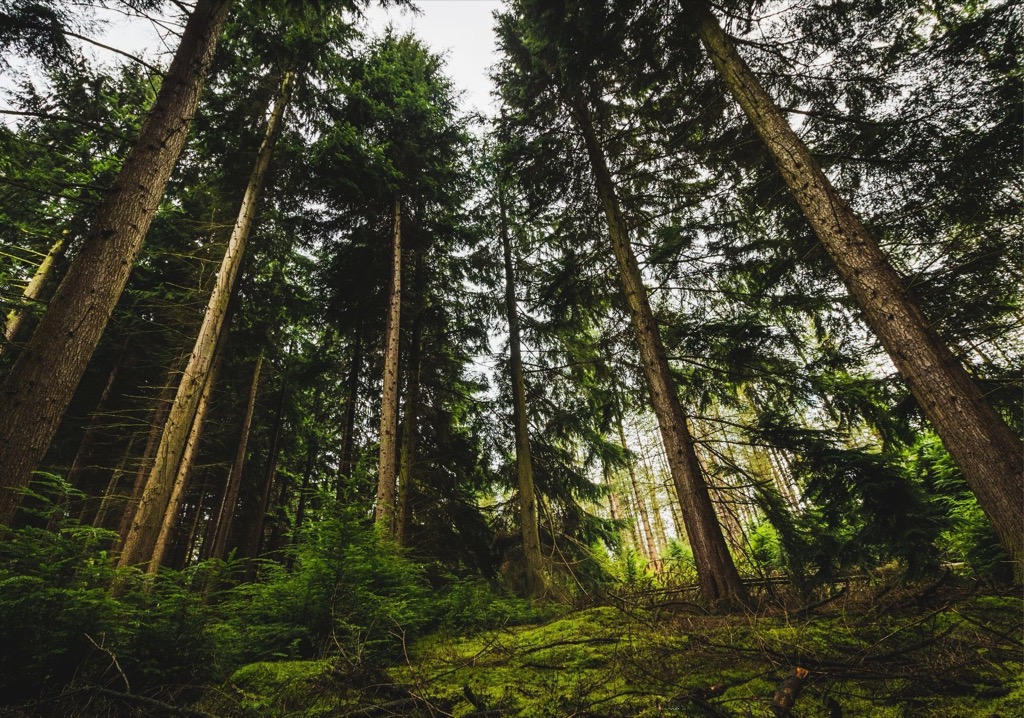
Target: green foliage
column 471, row 605
column 348, row 592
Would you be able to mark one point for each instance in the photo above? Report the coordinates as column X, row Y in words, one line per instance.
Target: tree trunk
column 409, row 418
column 533, row 560
column 348, row 442
column 138, row 548
column 39, row 388
column 232, row 487
column 716, row 573
column 256, row 537
column 641, row 506
column 983, row 446
column 181, row 480
column 387, row 476
column 33, row 291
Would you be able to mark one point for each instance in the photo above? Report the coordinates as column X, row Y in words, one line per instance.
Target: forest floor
column 945, row 649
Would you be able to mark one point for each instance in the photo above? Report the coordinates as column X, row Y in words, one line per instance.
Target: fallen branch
column 151, row 703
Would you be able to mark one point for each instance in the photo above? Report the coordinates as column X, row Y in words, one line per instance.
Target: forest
column 686, row 382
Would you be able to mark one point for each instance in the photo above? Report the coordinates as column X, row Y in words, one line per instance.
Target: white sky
column 459, row 30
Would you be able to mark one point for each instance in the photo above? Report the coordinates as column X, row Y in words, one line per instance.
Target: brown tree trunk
column 37, row 391
column 181, row 480
column 348, row 442
column 138, row 547
column 387, row 475
column 716, row 573
column 409, row 418
column 229, row 501
column 983, row 446
column 33, row 291
column 533, row 559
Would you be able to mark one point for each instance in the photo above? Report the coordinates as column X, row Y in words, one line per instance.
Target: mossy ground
column 899, row 653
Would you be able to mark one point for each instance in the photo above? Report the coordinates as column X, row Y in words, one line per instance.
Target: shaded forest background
column 301, row 362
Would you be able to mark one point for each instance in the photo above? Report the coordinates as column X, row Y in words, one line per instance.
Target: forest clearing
column 684, row 378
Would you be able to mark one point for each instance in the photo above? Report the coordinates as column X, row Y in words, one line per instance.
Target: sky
column 459, row 30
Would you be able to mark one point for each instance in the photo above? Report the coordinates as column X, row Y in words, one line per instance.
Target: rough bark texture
column 716, row 573
column 39, row 388
column 233, row 485
column 983, row 446
column 387, row 472
column 33, row 291
column 533, row 560
column 142, row 536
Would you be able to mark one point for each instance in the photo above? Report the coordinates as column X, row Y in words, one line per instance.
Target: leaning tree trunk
column 181, row 480
column 33, row 291
column 387, row 473
column 232, row 487
column 978, row 439
column 138, row 547
column 39, row 388
column 716, row 573
column 533, row 560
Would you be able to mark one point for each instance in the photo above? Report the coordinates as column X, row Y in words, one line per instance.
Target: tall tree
column 987, row 451
column 36, row 392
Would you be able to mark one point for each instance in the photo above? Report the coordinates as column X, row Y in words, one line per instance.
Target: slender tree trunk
column 409, row 418
column 163, row 407
column 36, row 393
column 33, row 291
column 983, row 446
column 232, row 487
column 142, row 537
column 111, row 492
column 181, row 480
column 716, row 573
column 256, row 537
column 533, row 559
column 387, row 476
column 348, row 442
column 641, row 506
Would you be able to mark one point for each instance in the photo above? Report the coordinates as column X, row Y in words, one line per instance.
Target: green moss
column 285, row 688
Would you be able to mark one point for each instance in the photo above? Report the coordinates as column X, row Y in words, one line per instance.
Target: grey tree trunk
column 37, row 391
column 138, row 547
column 387, row 473
column 533, row 560
column 716, row 573
column 978, row 439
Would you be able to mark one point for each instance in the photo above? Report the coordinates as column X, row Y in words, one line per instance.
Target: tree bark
column 533, row 560
column 39, row 388
column 387, row 475
column 181, row 480
column 978, row 439
column 33, row 291
column 233, row 485
column 409, row 419
column 138, row 547
column 348, row 443
column 716, row 573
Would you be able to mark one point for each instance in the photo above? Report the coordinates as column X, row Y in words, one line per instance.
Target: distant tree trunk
column 641, row 507
column 387, row 476
column 983, row 446
column 348, row 442
column 409, row 419
column 716, row 573
column 39, row 387
column 533, row 559
column 181, row 481
column 100, row 520
column 138, row 548
column 256, row 537
column 229, row 501
column 33, row 291
column 312, row 453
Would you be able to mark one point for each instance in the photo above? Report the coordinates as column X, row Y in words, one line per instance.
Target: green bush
column 470, row 605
